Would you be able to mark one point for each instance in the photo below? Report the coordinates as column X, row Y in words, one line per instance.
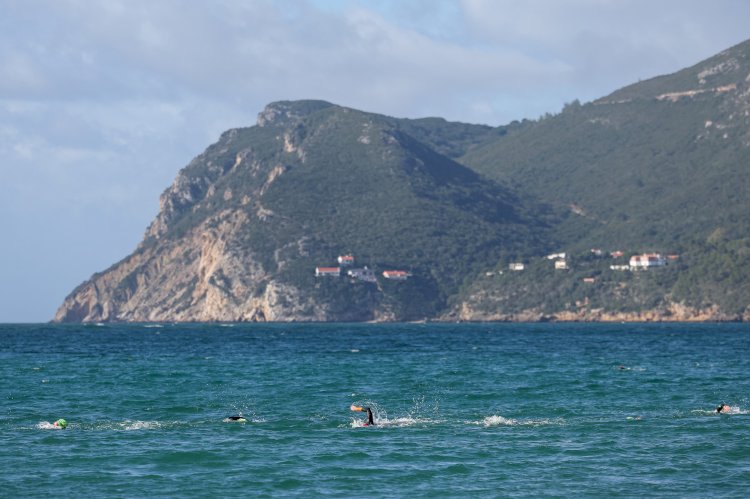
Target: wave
column 129, row 425
column 134, row 425
column 402, row 422
column 495, row 420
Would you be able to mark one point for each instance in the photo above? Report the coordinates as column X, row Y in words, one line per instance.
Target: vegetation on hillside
column 337, row 181
column 661, row 165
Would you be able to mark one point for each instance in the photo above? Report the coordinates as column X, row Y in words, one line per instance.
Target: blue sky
column 102, row 102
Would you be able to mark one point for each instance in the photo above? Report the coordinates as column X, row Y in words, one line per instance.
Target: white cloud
column 609, row 43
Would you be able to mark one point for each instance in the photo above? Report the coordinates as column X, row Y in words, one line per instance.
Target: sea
column 460, row 410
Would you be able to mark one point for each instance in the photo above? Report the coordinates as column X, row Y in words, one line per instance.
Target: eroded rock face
column 203, row 277
column 670, row 312
column 284, row 113
column 242, row 228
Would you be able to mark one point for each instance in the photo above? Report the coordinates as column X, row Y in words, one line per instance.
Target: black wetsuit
column 370, row 421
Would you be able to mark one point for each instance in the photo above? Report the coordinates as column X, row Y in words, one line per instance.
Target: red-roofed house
column 327, row 271
column 346, row 260
column 396, row 275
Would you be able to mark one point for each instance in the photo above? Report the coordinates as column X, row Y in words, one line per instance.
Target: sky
column 102, row 102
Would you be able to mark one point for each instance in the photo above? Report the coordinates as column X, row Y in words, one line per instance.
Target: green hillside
column 661, row 165
column 359, row 183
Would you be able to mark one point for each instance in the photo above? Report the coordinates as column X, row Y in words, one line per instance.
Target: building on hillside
column 617, row 254
column 555, row 256
column 647, row 260
column 619, row 267
column 396, row 275
column 596, row 252
column 327, row 271
column 589, row 280
column 362, row 275
column 346, row 260
column 561, row 264
column 517, row 266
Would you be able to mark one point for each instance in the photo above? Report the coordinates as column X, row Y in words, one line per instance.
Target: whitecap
column 137, row 425
column 357, row 423
column 402, row 422
column 496, row 420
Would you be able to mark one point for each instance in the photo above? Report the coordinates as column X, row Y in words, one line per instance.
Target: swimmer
column 370, row 421
column 60, row 423
column 723, row 409
column 235, row 419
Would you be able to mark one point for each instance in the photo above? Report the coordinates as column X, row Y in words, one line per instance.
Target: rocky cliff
column 243, row 227
column 200, row 277
column 658, row 166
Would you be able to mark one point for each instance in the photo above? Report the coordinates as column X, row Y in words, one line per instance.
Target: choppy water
column 461, row 410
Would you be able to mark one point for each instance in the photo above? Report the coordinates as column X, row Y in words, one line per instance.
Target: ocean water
column 461, row 410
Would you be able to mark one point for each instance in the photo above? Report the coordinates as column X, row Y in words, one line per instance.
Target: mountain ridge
column 244, row 225
column 659, row 165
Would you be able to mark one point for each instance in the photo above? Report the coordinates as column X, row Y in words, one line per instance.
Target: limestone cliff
column 244, row 225
column 201, row 277
column 659, row 166
column 669, row 312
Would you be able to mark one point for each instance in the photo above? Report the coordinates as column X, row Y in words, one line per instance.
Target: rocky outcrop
column 670, row 312
column 242, row 228
column 285, row 113
column 202, row 277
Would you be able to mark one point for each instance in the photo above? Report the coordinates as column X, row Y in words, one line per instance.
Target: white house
column 363, row 275
column 647, row 260
column 517, row 266
column 561, row 264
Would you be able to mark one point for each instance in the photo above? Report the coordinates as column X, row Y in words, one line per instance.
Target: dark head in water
column 235, row 419
column 370, row 420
